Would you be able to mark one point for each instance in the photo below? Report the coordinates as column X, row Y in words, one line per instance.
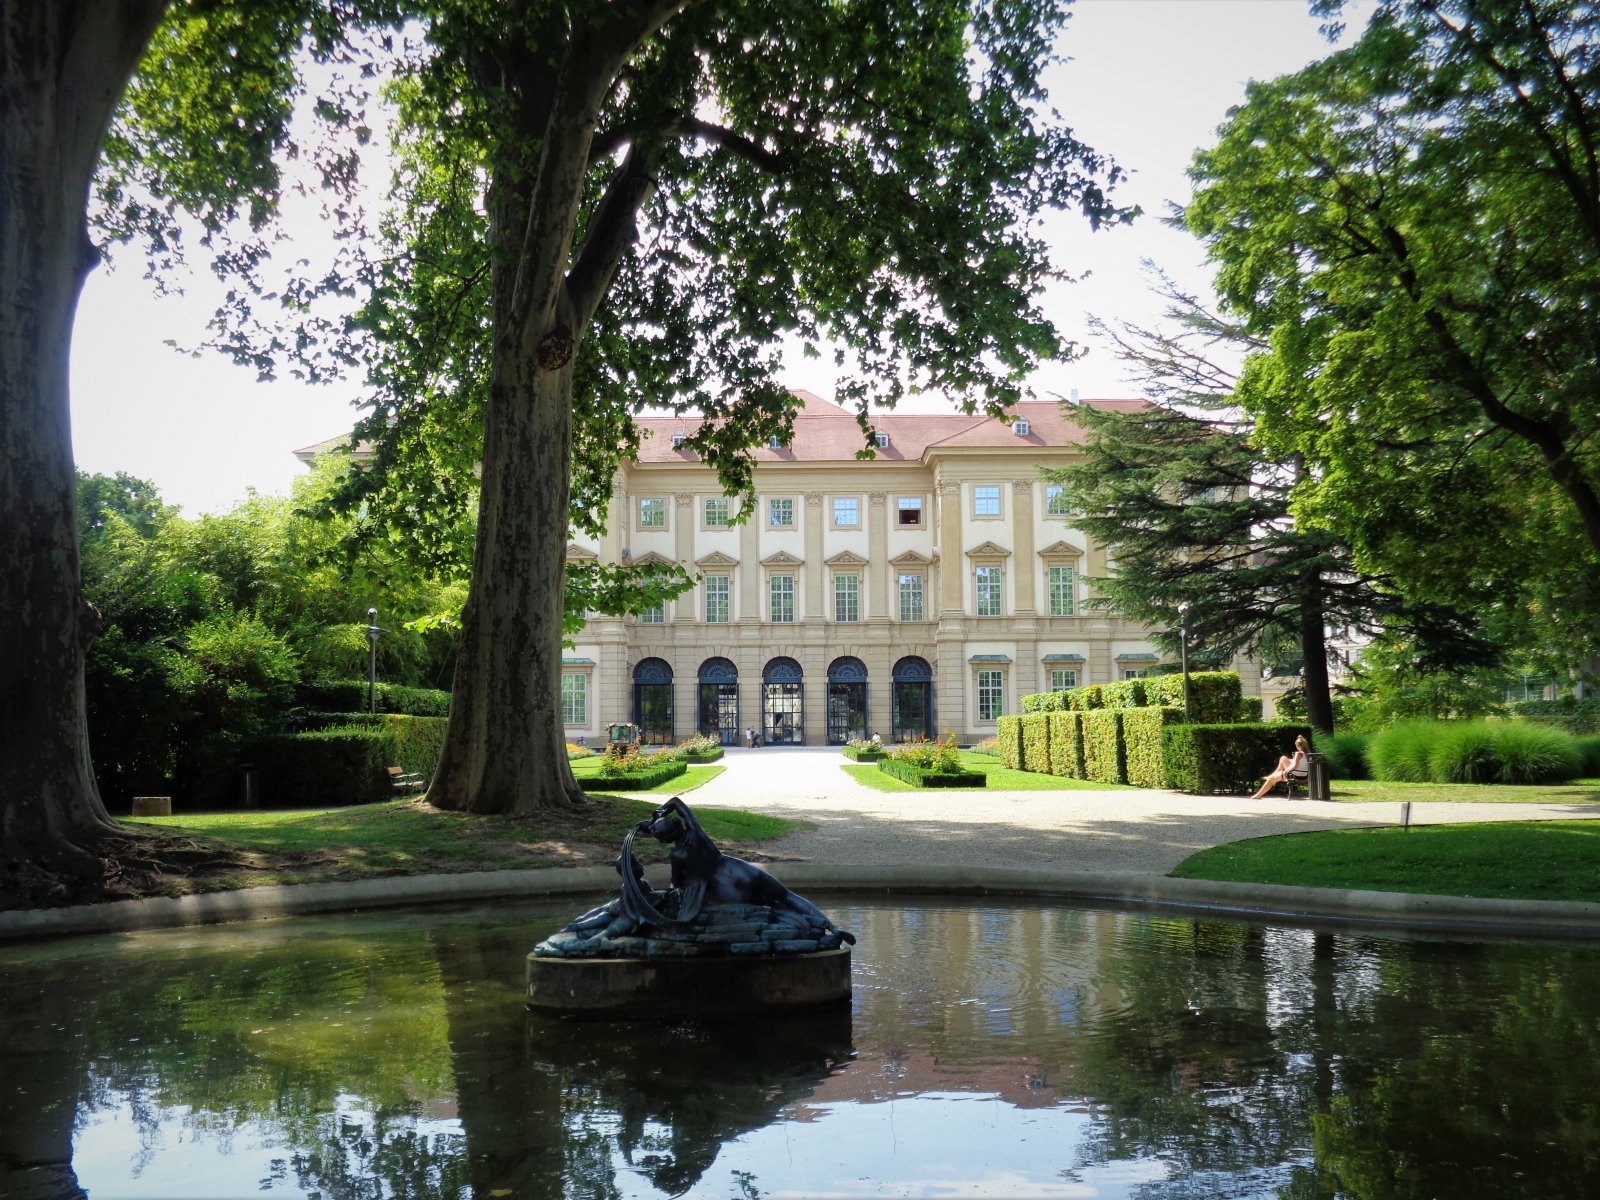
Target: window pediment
column 782, row 559
column 910, row 559
column 577, row 553
column 653, row 559
column 988, row 550
column 846, row 558
column 716, row 559
column 1061, row 549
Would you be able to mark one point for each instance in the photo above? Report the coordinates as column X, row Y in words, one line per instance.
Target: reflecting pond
column 993, row 1048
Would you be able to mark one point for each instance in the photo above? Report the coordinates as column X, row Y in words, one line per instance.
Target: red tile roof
column 824, row 432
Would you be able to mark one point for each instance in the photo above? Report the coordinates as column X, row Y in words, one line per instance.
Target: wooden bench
column 400, row 781
column 1303, row 778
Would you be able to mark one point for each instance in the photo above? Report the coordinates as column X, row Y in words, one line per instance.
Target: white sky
column 1148, row 82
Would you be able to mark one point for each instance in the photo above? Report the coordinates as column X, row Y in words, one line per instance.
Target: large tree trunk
column 505, row 750
column 63, row 67
column 1314, row 648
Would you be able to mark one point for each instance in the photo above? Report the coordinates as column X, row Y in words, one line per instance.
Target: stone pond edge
column 1398, row 910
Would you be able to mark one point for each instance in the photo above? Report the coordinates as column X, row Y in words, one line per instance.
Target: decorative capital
column 685, row 499
column 948, row 487
column 877, row 499
column 1022, row 487
column 814, row 499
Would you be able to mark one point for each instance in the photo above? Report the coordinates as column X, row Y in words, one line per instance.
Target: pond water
column 993, row 1048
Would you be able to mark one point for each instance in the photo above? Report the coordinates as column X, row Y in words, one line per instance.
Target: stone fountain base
column 723, row 985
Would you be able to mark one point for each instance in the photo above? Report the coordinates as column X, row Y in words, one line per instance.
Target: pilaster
column 1022, row 541
column 878, row 576
column 815, row 572
column 683, row 549
column 951, row 573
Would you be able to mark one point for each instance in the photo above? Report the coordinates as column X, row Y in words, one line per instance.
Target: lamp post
column 372, row 659
column 1183, row 652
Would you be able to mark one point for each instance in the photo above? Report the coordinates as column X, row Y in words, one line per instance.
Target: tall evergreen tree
column 1196, row 512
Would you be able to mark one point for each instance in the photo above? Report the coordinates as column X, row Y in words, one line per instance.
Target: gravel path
column 1127, row 829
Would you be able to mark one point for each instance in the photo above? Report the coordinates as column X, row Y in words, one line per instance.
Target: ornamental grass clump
column 1532, row 753
column 1399, row 754
column 1589, row 748
column 1346, row 754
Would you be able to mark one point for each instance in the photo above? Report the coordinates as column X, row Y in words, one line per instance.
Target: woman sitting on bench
column 1286, row 767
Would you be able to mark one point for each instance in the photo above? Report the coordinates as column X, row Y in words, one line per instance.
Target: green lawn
column 1001, row 778
column 1520, row 860
column 1366, row 791
column 407, row 837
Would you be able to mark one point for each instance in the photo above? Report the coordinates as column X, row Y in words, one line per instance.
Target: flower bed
column 931, row 777
column 636, row 778
column 865, row 753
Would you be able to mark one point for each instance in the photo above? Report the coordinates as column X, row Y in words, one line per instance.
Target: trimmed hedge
column 322, row 768
column 701, row 756
column 1574, row 714
column 646, row 777
column 1143, row 748
column 1214, row 696
column 1125, row 693
column 864, row 753
column 1222, row 759
column 922, row 777
column 1008, row 733
column 1045, row 702
column 1036, row 743
column 350, row 696
column 1102, row 746
column 1066, row 744
column 418, row 740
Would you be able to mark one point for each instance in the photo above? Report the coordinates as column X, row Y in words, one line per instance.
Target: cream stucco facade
column 921, row 592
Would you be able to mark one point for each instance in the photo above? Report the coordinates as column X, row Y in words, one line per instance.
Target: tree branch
column 611, row 232
column 676, row 125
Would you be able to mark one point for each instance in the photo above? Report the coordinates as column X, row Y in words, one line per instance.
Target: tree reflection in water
column 1120, row 1055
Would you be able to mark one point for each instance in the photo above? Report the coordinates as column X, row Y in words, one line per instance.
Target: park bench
column 403, row 782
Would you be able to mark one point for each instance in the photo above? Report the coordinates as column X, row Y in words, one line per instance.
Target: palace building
column 915, row 594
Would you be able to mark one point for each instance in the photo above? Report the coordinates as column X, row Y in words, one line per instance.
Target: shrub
column 1214, row 697
column 1143, row 747
column 1066, row 744
column 1399, row 754
column 1125, row 693
column 350, row 695
column 1102, row 746
column 1589, row 751
column 1091, row 697
column 861, row 753
column 940, row 757
column 931, row 777
column 1461, row 752
column 1045, row 701
column 1008, row 732
column 1575, row 714
column 1250, row 709
column 989, row 746
column 324, row 767
column 1215, row 759
column 418, row 740
column 1346, row 754
column 1036, row 743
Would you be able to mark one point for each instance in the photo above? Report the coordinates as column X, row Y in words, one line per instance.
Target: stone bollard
column 152, row 806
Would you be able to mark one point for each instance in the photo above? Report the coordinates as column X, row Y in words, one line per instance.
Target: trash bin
column 1317, row 777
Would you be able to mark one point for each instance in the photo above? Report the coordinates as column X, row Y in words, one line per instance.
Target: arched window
column 847, row 700
column 652, row 701
column 782, row 710
column 718, row 715
column 912, row 715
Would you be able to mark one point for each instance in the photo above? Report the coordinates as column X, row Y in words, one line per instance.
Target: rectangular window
column 847, row 597
column 985, row 501
column 991, row 695
column 846, row 512
column 716, row 511
column 988, row 580
column 574, row 699
column 911, row 597
column 910, row 510
column 652, row 512
column 656, row 614
column 1055, row 501
column 780, row 513
column 1063, row 591
column 780, row 592
column 1135, row 672
column 1062, row 678
column 717, row 592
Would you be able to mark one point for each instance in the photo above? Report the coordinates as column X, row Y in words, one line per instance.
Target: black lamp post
column 372, row 659
column 1183, row 652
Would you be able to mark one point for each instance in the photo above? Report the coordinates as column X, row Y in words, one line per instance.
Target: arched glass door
column 782, row 714
column 719, row 701
column 847, row 700
column 912, row 715
column 652, row 701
